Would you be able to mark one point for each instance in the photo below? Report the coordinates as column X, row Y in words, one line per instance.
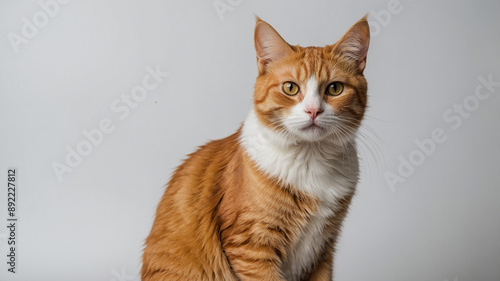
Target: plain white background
column 440, row 221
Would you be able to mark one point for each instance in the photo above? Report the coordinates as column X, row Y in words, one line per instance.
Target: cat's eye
column 335, row 89
column 290, row 88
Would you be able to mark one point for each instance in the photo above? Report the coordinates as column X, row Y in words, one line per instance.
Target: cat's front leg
column 324, row 269
column 254, row 264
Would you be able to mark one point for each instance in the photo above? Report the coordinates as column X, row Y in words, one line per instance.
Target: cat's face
column 311, row 94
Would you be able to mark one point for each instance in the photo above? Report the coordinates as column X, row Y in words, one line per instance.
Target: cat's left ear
column 354, row 44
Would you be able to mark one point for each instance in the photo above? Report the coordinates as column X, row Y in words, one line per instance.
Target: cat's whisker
column 368, row 134
column 341, row 134
column 367, row 144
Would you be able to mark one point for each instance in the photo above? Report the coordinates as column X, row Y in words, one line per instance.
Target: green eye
column 290, row 88
column 334, row 89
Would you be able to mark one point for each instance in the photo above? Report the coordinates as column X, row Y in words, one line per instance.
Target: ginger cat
column 267, row 202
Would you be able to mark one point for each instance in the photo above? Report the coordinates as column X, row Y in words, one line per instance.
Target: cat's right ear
column 353, row 46
column 269, row 45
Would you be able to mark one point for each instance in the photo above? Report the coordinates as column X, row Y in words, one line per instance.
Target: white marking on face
column 312, row 99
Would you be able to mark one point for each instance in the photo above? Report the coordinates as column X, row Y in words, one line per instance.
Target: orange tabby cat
column 267, row 202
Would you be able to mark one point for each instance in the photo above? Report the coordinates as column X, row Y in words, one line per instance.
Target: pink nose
column 313, row 112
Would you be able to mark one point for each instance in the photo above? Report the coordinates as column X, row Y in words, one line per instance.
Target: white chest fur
column 306, row 249
column 323, row 170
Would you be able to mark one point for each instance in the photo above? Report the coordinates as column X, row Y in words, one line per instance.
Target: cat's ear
column 354, row 44
column 269, row 45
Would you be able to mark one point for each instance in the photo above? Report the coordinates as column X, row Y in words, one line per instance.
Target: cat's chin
column 318, row 134
column 311, row 133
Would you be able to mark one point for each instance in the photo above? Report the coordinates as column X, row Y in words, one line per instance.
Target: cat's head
column 311, row 94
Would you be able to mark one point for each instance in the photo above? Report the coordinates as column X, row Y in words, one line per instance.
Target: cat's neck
column 326, row 169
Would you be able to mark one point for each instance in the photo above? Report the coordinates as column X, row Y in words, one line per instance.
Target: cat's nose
column 313, row 112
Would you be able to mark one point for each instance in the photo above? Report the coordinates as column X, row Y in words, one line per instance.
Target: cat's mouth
column 312, row 126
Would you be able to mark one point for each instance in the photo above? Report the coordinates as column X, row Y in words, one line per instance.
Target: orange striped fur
column 267, row 202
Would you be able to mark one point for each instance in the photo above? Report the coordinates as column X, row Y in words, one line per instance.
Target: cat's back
column 205, row 164
column 185, row 231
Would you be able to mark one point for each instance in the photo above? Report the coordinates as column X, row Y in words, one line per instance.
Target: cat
column 267, row 202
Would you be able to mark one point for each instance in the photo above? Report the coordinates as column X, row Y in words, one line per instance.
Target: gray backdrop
column 95, row 127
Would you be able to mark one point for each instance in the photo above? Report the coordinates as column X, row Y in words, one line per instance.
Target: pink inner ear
column 269, row 45
column 355, row 42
